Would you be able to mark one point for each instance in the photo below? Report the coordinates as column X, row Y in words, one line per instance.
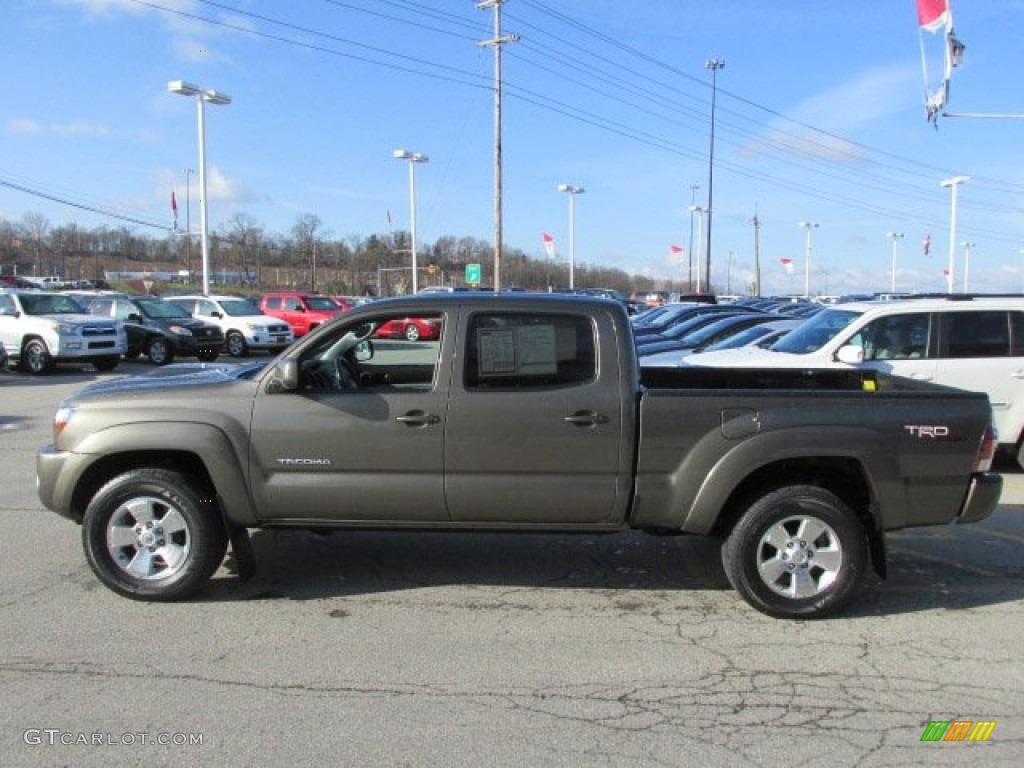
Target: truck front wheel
column 797, row 552
column 153, row 534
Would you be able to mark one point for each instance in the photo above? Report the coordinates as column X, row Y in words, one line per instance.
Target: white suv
column 245, row 327
column 40, row 329
column 972, row 343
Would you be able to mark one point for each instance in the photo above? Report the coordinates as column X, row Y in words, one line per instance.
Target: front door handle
column 586, row 419
column 418, row 419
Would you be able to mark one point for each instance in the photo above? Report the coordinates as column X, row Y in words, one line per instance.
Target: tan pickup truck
column 528, row 413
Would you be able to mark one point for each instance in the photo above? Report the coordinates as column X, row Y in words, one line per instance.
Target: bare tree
column 35, row 228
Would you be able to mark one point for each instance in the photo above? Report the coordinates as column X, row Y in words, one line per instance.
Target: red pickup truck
column 302, row 311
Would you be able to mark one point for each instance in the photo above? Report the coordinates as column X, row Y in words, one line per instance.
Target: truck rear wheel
column 797, row 552
column 153, row 534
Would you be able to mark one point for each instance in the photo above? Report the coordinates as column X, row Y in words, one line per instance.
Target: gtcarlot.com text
column 58, row 737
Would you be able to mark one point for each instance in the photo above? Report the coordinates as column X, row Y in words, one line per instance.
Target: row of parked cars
column 969, row 342
column 39, row 329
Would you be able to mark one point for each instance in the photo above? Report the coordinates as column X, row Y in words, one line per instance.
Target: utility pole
column 689, row 252
column 496, row 42
column 757, row 254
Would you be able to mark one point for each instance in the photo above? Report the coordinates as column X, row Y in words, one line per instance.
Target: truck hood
column 181, row 376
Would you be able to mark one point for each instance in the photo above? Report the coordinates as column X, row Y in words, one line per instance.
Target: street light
column 203, row 95
column 714, row 65
column 952, row 183
column 700, row 211
column 894, row 236
column 808, row 225
column 572, row 191
column 413, row 158
column 967, row 261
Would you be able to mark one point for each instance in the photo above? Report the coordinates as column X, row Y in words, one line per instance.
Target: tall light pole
column 808, row 225
column 952, row 183
column 895, row 237
column 700, row 211
column 413, row 158
column 572, row 191
column 203, row 95
column 714, row 65
column 967, row 261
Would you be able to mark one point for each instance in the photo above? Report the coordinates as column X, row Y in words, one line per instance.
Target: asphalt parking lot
column 494, row 650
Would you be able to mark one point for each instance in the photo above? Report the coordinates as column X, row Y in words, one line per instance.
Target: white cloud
column 865, row 99
column 74, row 128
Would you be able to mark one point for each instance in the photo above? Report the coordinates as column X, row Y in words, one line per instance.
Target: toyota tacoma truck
column 528, row 413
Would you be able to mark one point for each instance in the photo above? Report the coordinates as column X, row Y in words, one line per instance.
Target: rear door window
column 508, row 350
column 982, row 333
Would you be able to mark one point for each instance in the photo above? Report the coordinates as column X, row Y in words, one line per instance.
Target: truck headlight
column 61, row 418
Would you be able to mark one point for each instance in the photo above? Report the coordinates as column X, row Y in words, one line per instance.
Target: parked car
column 245, row 327
column 972, row 343
column 411, row 329
column 302, row 311
column 761, row 334
column 681, row 314
column 703, row 330
column 40, row 330
column 159, row 329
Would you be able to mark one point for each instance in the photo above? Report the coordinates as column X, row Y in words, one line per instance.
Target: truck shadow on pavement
column 952, row 568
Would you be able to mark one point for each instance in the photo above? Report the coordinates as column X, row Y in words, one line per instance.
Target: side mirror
column 134, row 317
column 286, row 374
column 216, row 314
column 363, row 351
column 851, row 354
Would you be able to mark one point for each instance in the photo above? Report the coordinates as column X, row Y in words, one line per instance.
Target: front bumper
column 50, row 465
column 982, row 497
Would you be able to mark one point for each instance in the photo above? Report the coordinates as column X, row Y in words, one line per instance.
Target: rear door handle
column 586, row 419
column 418, row 419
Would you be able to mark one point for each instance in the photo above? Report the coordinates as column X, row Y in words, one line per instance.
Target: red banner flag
column 787, row 265
column 932, row 14
column 549, row 243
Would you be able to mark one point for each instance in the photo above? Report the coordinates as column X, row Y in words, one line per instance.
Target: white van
column 972, row 343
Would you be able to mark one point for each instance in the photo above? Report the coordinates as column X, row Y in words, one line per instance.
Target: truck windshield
column 816, row 332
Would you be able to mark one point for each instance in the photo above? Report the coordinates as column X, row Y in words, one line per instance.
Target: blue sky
column 819, row 117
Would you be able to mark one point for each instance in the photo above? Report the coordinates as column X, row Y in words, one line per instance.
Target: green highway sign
column 473, row 274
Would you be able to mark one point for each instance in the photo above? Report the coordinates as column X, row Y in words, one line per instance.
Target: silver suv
column 39, row 330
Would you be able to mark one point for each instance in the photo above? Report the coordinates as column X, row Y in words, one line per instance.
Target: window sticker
column 521, row 351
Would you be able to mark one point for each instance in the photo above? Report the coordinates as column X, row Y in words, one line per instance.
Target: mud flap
column 241, row 547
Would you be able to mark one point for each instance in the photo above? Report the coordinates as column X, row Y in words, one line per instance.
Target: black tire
column 106, row 364
column 35, row 358
column 160, row 351
column 797, row 552
column 153, row 534
column 235, row 344
column 132, row 354
column 207, row 355
column 412, row 333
